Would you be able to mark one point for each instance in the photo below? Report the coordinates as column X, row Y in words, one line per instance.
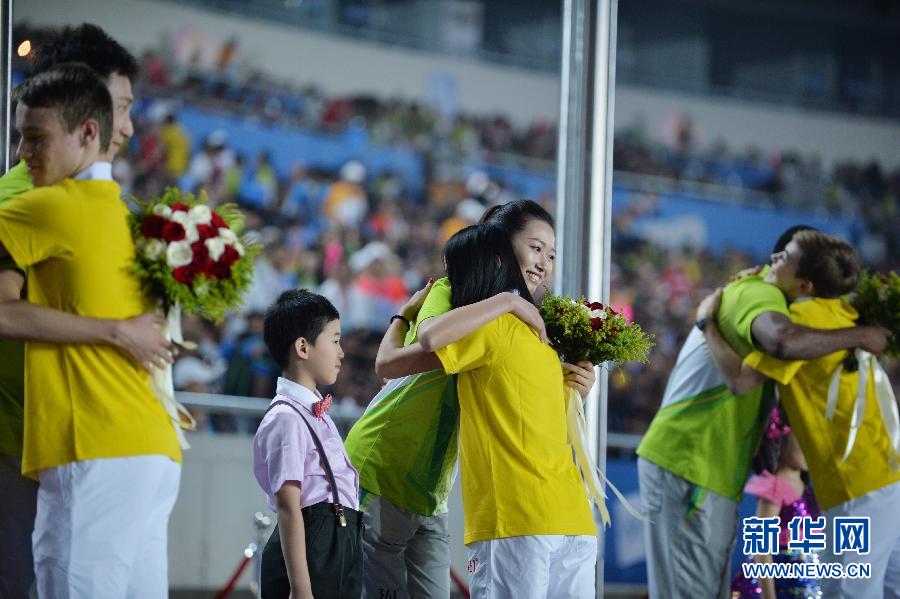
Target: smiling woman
column 530, row 230
column 405, row 445
column 535, row 250
column 535, row 519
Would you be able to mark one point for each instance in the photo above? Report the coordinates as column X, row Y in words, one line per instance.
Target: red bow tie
column 321, row 407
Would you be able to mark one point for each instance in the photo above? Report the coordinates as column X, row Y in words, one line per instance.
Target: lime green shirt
column 405, row 445
column 703, row 432
column 15, row 182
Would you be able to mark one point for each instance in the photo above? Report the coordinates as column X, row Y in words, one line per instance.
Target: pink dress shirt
column 283, row 450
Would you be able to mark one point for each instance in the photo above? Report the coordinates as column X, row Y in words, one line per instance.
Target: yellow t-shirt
column 803, row 385
column 518, row 475
column 178, row 149
column 340, row 192
column 83, row 401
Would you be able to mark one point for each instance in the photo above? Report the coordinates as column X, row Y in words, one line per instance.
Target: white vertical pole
column 599, row 245
column 584, row 179
column 6, row 50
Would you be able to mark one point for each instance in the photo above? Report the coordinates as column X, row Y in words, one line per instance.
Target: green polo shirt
column 15, row 182
column 406, row 443
column 704, row 433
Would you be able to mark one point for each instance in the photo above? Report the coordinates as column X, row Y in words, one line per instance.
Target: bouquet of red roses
column 591, row 331
column 192, row 255
column 583, row 330
column 189, row 257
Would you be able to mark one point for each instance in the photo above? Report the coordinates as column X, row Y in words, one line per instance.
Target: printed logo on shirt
column 473, row 563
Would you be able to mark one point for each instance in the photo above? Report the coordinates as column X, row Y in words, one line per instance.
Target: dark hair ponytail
column 480, row 264
column 513, row 216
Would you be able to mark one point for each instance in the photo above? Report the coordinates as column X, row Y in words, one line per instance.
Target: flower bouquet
column 191, row 258
column 590, row 331
column 582, row 330
column 877, row 299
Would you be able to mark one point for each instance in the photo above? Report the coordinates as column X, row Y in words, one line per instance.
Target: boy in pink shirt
column 300, row 462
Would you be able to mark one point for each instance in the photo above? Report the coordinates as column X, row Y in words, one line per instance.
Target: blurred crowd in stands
column 366, row 243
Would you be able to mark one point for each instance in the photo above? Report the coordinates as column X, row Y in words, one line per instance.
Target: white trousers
column 101, row 528
column 882, row 507
column 533, row 567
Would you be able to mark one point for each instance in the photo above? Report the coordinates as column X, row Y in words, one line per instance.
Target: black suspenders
column 338, row 508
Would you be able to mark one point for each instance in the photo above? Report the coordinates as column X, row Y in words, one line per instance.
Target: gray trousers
column 18, row 503
column 881, row 507
column 690, row 536
column 405, row 555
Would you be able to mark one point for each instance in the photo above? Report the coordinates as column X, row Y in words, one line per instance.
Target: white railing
column 344, row 415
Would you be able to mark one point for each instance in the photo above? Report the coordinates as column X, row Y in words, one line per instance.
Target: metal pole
column 572, row 176
column 584, row 180
column 6, row 50
column 600, row 229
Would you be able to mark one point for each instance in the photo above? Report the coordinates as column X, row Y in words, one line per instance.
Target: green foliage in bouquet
column 582, row 330
column 877, row 299
column 189, row 253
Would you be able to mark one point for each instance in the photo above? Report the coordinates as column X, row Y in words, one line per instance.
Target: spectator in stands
column 207, row 168
column 378, row 286
column 151, row 154
column 268, row 275
column 338, row 289
column 303, row 198
column 259, row 189
column 250, row 371
column 346, row 203
column 234, row 177
column 177, row 145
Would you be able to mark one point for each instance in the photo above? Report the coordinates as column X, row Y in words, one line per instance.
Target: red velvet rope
column 459, row 582
column 226, row 590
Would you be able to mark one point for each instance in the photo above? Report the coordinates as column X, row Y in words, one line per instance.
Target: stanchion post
column 263, row 526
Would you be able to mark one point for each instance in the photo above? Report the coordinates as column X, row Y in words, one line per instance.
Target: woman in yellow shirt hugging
column 528, row 522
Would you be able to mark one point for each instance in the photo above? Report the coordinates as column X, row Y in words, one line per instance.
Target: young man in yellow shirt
column 96, row 438
column 136, row 337
column 851, row 479
column 696, row 455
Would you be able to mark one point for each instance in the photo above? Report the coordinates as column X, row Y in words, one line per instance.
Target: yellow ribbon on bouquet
column 163, row 384
column 593, row 476
column 884, row 394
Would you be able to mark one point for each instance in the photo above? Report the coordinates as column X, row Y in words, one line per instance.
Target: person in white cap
column 347, row 202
